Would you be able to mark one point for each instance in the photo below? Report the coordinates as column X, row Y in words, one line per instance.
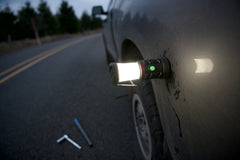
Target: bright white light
column 204, row 65
column 128, row 71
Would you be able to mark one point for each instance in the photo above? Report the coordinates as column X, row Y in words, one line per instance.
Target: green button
column 152, row 68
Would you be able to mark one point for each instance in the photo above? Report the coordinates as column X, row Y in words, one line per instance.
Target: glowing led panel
column 128, row 71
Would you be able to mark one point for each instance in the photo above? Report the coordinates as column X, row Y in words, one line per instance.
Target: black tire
column 151, row 146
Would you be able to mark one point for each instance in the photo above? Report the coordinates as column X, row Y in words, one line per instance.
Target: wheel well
column 130, row 51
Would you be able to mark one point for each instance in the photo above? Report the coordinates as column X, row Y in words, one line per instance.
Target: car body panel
column 108, row 36
column 199, row 109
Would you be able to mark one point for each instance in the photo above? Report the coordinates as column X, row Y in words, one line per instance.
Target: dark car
column 194, row 113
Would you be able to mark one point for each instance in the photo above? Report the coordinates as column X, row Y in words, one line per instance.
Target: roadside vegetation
column 19, row 30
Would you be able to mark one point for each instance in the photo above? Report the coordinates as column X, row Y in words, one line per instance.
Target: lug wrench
column 69, row 140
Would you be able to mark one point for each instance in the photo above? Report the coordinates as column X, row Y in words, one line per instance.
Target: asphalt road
column 40, row 99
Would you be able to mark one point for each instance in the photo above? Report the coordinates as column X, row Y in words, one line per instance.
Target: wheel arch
column 130, row 52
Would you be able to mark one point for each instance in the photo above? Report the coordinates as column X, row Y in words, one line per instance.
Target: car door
column 108, row 35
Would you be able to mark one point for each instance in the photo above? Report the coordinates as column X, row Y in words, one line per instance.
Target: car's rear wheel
column 147, row 122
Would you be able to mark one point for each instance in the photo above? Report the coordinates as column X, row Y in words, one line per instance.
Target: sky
column 78, row 5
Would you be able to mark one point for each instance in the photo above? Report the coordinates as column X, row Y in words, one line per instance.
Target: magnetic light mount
column 125, row 74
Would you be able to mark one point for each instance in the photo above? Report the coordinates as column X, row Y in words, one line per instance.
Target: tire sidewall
column 137, row 97
column 146, row 95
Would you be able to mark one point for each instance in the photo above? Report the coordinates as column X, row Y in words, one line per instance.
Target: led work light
column 125, row 73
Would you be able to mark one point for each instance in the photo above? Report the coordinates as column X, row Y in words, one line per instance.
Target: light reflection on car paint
column 203, row 65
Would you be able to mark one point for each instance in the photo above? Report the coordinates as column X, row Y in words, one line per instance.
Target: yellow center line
column 22, row 63
column 37, row 59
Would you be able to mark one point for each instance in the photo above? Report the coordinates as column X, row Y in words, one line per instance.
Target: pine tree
column 46, row 21
column 85, row 21
column 7, row 19
column 96, row 22
column 67, row 20
column 24, row 27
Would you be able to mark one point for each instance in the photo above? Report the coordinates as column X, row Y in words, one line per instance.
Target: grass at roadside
column 17, row 45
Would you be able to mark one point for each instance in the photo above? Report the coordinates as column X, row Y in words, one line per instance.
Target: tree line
column 20, row 26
